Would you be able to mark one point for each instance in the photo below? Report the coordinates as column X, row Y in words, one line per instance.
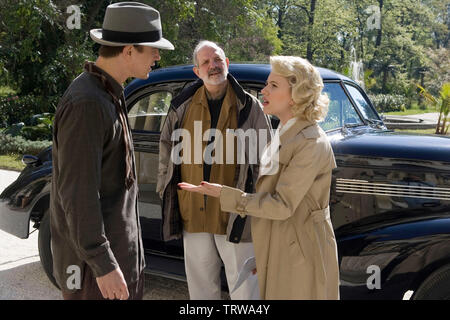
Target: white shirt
column 270, row 156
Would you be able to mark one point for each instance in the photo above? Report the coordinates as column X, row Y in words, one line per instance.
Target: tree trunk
column 385, row 78
column 380, row 31
column 280, row 23
column 309, row 51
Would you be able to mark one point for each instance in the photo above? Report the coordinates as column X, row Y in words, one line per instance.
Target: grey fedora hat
column 131, row 23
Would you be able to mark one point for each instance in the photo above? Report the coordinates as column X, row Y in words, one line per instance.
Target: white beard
column 217, row 80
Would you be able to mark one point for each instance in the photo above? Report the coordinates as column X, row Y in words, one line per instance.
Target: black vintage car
column 390, row 196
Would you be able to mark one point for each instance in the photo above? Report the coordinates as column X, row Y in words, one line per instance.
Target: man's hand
column 113, row 285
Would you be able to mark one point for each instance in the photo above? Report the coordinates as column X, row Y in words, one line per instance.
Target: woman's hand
column 209, row 189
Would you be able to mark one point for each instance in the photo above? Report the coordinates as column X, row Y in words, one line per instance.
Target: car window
column 149, row 112
column 340, row 110
column 255, row 92
column 362, row 103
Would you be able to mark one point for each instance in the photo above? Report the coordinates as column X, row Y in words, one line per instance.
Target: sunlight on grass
column 421, row 131
column 11, row 162
column 415, row 109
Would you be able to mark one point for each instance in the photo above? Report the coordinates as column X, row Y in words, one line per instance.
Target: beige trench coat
column 295, row 246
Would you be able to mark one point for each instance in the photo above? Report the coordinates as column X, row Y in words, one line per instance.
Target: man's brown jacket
column 93, row 215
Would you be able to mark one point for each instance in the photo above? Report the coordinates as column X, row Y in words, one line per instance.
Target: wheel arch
column 39, row 208
column 426, row 272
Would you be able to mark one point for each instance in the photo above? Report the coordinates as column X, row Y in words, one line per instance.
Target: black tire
column 45, row 248
column 436, row 286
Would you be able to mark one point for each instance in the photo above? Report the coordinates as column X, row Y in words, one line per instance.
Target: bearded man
column 211, row 237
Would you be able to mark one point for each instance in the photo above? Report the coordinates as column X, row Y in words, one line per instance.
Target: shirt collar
column 287, row 125
column 112, row 85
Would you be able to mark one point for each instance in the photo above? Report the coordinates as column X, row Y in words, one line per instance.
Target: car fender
column 401, row 255
column 20, row 203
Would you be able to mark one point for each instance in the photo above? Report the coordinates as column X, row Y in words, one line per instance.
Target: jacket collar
column 107, row 80
column 295, row 129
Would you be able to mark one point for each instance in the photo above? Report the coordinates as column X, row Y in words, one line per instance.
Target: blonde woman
column 295, row 246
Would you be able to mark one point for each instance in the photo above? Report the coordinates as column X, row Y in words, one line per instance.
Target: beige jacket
column 295, row 246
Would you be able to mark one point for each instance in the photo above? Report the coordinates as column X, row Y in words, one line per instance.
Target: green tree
column 316, row 30
column 239, row 26
column 39, row 54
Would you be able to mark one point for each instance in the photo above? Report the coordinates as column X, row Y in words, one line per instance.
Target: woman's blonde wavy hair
column 306, row 83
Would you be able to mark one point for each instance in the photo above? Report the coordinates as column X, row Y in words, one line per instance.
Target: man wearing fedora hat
column 96, row 235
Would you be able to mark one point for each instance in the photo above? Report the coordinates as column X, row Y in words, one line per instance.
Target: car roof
column 247, row 72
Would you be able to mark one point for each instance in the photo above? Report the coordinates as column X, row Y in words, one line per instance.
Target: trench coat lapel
column 291, row 133
column 296, row 128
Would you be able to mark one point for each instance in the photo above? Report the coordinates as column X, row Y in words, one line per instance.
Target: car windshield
column 362, row 103
column 340, row 110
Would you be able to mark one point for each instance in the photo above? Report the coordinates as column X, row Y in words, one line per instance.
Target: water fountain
column 356, row 68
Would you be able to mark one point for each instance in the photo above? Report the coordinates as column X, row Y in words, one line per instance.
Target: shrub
column 16, row 109
column 389, row 102
column 19, row 145
column 40, row 129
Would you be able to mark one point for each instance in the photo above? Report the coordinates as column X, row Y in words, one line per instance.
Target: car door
column 148, row 109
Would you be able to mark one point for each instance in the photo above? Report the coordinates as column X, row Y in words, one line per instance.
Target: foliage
column 6, row 91
column 17, row 109
column 40, row 129
column 19, row 145
column 442, row 104
column 388, row 102
column 243, row 30
column 439, row 70
column 40, row 56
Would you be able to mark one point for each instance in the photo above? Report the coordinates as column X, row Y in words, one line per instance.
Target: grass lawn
column 427, row 131
column 413, row 110
column 11, row 162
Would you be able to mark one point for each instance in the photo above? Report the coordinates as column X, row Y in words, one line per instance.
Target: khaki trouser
column 204, row 254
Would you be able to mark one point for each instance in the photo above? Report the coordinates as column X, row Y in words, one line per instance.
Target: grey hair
column 206, row 43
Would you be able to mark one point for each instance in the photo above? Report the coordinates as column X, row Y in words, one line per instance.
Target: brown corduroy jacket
column 93, row 216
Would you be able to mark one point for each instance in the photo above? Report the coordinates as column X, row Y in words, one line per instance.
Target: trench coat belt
column 320, row 215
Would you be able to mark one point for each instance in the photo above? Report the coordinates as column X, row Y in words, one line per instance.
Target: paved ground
column 416, row 121
column 431, row 117
column 424, row 117
column 22, row 277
